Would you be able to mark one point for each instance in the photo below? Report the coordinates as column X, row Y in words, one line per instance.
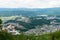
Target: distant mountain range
column 29, row 11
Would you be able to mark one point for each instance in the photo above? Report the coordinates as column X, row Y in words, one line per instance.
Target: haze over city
column 29, row 3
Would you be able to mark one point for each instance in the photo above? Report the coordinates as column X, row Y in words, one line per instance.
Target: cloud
column 29, row 3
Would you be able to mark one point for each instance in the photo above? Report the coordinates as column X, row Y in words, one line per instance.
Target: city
column 40, row 24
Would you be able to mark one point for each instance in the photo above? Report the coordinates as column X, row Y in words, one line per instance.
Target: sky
column 29, row 3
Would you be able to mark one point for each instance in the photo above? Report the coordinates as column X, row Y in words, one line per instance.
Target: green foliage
column 0, row 21
column 0, row 24
column 22, row 37
column 4, row 35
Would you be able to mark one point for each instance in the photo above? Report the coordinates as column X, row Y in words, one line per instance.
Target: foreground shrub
column 6, row 36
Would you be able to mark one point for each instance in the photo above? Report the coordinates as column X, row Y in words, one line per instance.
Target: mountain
column 29, row 11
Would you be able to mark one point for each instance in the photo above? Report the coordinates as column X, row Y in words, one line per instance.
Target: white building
column 11, row 29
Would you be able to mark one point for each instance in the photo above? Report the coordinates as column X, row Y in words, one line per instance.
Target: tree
column 0, row 24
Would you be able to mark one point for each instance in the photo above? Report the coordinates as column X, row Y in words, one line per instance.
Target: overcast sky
column 29, row 3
